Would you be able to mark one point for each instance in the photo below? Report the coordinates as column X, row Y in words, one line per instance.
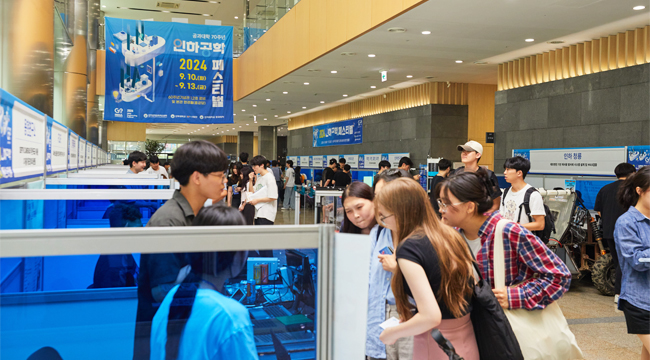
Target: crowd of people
column 428, row 250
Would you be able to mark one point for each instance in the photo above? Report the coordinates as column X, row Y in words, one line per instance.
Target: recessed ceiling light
column 254, row 105
column 243, row 109
column 530, row 40
column 239, row 125
column 103, row 6
column 236, row 17
column 206, row 15
column 373, row 87
column 426, row 32
column 371, row 55
column 264, row 119
column 409, row 76
column 268, row 99
column 345, row 95
column 165, row 11
column 284, row 92
column 322, row 102
column 640, row 7
column 306, row 83
column 247, row 124
column 304, row 107
column 276, row 116
column 459, row 61
column 333, row 71
column 288, row 112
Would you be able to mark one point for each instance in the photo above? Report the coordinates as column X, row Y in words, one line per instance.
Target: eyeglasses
column 382, row 218
column 443, row 206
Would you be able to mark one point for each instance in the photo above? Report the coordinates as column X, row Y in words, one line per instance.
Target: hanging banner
column 395, row 158
column 352, row 160
column 369, row 161
column 339, row 133
column 168, row 72
column 22, row 140
column 639, row 156
column 57, row 147
column 73, row 151
column 579, row 161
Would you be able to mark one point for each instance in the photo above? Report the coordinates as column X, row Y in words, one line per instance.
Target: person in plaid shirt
column 535, row 276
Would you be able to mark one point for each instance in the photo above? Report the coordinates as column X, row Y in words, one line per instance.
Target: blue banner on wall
column 339, row 133
column 639, row 156
column 168, row 72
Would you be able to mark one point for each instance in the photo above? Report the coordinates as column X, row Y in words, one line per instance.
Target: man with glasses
column 199, row 167
column 471, row 154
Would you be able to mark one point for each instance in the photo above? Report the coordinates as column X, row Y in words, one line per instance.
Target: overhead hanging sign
column 57, row 147
column 22, row 139
column 168, row 72
column 579, row 161
column 339, row 133
column 639, row 156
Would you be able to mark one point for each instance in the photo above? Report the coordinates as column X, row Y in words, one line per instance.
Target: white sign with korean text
column 93, row 160
column 352, row 160
column 89, row 150
column 395, row 158
column 59, row 147
column 73, row 158
column 318, row 161
column 28, row 141
column 587, row 161
column 371, row 161
column 304, row 161
column 82, row 153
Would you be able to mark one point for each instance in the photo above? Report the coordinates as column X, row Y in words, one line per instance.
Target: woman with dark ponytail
column 632, row 238
column 195, row 321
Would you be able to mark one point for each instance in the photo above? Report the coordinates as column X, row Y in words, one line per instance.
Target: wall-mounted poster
column 168, row 72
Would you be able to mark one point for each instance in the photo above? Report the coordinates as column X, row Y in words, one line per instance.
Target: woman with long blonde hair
column 434, row 268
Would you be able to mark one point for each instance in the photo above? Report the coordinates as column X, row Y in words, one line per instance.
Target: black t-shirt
column 610, row 209
column 419, row 250
column 328, row 174
column 496, row 190
column 342, row 179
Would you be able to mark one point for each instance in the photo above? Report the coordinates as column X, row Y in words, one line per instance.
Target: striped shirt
column 535, row 276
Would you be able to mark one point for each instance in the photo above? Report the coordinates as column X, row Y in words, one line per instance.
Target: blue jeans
column 289, row 200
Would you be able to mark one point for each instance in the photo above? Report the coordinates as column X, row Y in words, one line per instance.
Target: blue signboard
column 639, row 156
column 168, row 72
column 339, row 133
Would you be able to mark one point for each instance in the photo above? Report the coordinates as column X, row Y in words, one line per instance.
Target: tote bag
column 542, row 334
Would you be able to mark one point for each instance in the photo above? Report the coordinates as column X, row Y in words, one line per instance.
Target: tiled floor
column 598, row 327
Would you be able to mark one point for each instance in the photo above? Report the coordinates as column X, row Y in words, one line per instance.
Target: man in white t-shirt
column 156, row 168
column 512, row 206
column 265, row 214
column 290, row 177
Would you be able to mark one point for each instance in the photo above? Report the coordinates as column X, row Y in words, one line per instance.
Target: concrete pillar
column 267, row 137
column 245, row 143
column 27, row 51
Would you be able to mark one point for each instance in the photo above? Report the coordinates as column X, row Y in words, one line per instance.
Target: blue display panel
column 639, row 156
column 168, row 72
column 346, row 132
column 106, row 303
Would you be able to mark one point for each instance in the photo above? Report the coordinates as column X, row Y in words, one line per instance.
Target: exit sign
column 384, row 76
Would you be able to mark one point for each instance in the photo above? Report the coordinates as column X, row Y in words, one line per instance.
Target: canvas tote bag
column 542, row 334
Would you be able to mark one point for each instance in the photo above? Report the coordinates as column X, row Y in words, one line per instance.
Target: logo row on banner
column 31, row 143
column 584, row 161
column 357, row 161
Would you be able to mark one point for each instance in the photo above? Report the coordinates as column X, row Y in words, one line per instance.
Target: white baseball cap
column 471, row 146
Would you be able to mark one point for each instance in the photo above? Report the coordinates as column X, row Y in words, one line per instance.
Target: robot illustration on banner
column 137, row 76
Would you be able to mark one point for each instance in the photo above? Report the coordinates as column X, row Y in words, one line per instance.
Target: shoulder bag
column 542, row 334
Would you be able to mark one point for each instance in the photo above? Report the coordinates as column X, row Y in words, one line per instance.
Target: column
column 267, row 137
column 245, row 143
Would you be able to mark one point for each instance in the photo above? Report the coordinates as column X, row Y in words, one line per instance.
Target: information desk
column 314, row 305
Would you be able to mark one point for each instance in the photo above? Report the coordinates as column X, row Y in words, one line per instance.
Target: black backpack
column 549, row 222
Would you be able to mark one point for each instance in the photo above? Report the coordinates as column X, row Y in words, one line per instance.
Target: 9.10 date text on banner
column 164, row 72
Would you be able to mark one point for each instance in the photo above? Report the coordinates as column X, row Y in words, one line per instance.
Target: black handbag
column 445, row 345
column 494, row 336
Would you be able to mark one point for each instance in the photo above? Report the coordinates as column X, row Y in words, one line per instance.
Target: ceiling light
column 264, row 119
column 288, row 112
column 640, row 7
column 247, row 124
column 459, row 61
column 322, row 102
column 103, row 6
column 396, row 30
column 206, row 15
column 409, row 76
column 304, row 107
column 165, row 11
column 426, row 32
column 236, row 17
column 243, row 109
column 306, row 83
column 345, row 95
column 333, row 71
column 371, row 55
column 239, row 125
column 373, row 87
column 284, row 92
column 530, row 40
column 254, row 105
column 268, row 99
column 276, row 116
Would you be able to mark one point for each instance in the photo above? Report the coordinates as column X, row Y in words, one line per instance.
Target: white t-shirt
column 475, row 247
column 161, row 171
column 269, row 209
column 510, row 206
column 291, row 174
column 218, row 328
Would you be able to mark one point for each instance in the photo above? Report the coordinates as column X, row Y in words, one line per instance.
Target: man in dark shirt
column 444, row 168
column 328, row 173
column 610, row 210
column 383, row 166
column 199, row 167
column 343, row 178
column 471, row 154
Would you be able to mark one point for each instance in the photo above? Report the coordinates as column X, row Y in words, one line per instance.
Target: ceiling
column 469, row 30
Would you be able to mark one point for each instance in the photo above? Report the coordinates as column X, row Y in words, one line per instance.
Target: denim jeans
column 289, row 199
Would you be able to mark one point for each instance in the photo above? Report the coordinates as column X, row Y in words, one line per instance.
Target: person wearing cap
column 328, row 173
column 471, row 153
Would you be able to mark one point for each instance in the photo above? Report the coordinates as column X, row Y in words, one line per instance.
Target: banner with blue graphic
column 339, row 133
column 639, row 156
column 168, row 72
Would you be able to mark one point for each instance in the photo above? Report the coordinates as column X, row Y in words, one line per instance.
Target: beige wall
column 480, row 120
column 126, row 131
